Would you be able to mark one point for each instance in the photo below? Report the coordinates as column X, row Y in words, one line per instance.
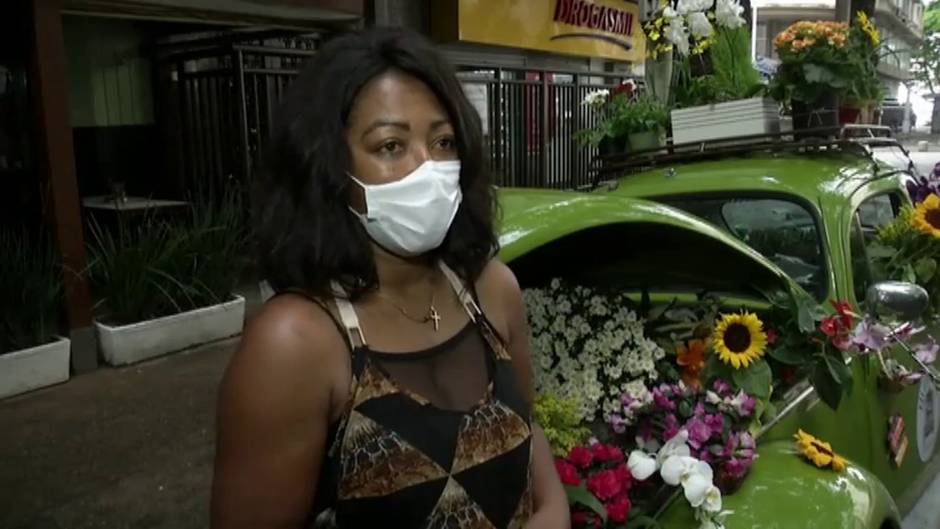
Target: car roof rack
column 855, row 139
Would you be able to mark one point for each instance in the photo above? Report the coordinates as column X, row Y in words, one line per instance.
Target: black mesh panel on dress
column 451, row 376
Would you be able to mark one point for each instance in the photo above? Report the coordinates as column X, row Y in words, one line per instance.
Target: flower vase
column 659, row 77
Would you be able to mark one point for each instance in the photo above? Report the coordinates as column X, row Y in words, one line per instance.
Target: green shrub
column 559, row 419
column 31, row 283
column 162, row 267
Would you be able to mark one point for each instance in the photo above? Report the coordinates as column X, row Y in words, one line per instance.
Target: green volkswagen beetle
column 742, row 224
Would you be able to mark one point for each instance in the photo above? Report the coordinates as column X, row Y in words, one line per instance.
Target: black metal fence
column 220, row 100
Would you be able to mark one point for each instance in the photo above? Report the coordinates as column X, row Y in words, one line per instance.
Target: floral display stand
column 726, row 120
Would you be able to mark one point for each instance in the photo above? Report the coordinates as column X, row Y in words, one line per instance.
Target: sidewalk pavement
column 117, row 448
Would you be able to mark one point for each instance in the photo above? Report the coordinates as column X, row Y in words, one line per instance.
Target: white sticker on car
column 928, row 419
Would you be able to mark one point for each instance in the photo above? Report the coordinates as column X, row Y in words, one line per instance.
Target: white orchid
column 678, row 35
column 686, row 7
column 700, row 26
column 641, row 465
column 684, row 470
column 596, row 98
column 728, row 14
column 677, row 446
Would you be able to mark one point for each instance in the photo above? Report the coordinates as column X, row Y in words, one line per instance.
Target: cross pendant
column 434, row 317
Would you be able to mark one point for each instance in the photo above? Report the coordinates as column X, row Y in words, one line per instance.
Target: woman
column 388, row 384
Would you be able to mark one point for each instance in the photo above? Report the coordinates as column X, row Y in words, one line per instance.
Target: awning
column 281, row 13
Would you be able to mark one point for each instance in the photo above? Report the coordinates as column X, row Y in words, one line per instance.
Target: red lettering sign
column 586, row 14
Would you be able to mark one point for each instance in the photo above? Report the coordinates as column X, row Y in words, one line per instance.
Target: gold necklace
column 431, row 316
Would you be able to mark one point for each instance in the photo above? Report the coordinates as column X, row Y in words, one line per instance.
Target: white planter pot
column 34, row 368
column 743, row 117
column 132, row 343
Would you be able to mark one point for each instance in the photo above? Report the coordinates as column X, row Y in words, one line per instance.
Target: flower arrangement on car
column 640, row 402
column 908, row 249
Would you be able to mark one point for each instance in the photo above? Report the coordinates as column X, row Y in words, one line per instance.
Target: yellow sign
column 592, row 28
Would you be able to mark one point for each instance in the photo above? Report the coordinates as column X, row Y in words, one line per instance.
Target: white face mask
column 412, row 216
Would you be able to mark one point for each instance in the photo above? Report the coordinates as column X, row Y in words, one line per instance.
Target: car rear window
column 783, row 231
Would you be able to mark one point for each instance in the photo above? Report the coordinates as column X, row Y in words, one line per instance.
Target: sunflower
column 927, row 216
column 819, row 452
column 739, row 339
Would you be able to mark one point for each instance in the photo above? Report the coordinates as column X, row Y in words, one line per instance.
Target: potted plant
column 31, row 355
column 816, row 71
column 866, row 89
column 641, row 122
column 606, row 104
column 167, row 285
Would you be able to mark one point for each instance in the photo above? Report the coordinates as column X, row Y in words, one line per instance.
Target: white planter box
column 34, row 368
column 132, row 343
column 743, row 117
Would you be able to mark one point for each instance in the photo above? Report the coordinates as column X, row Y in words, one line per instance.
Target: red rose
column 626, row 479
column 605, row 485
column 606, row 453
column 567, row 472
column 619, row 509
column 580, row 457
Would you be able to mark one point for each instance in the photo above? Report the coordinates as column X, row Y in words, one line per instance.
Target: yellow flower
column 739, row 339
column 868, row 27
column 927, row 216
column 819, row 452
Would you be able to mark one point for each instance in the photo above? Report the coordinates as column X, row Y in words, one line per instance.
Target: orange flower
column 692, row 359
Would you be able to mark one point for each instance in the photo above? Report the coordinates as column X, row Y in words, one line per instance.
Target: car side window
column 872, row 215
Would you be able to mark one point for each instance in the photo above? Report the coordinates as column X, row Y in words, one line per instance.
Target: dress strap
column 463, row 293
column 477, row 316
column 347, row 314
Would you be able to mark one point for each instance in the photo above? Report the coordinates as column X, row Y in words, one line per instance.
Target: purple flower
column 872, row 336
column 699, row 433
column 645, row 432
column 715, row 422
column 746, row 441
column 737, row 468
column 617, row 423
column 671, row 427
column 927, row 352
column 921, row 187
column 721, row 387
column 704, row 455
column 699, row 410
column 743, row 404
column 661, row 399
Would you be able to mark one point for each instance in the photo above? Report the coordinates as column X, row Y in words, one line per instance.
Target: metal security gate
column 220, row 100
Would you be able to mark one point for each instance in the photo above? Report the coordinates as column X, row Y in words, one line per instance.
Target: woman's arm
column 498, row 285
column 273, row 414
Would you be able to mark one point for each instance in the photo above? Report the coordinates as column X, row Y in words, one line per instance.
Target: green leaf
column 925, row 269
column 808, row 313
column 818, row 74
column 755, row 380
column 787, row 355
column 880, row 251
column 685, row 409
column 908, row 274
column 770, row 412
column 642, row 521
column 826, row 386
column 581, row 496
column 839, row 371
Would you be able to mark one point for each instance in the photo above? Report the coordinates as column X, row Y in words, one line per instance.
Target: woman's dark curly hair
column 307, row 237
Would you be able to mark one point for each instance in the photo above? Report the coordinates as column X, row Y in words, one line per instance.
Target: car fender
column 785, row 491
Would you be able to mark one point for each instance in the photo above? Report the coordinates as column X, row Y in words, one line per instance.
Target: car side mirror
column 895, row 298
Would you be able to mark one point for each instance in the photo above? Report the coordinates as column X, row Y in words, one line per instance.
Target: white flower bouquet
column 588, row 348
